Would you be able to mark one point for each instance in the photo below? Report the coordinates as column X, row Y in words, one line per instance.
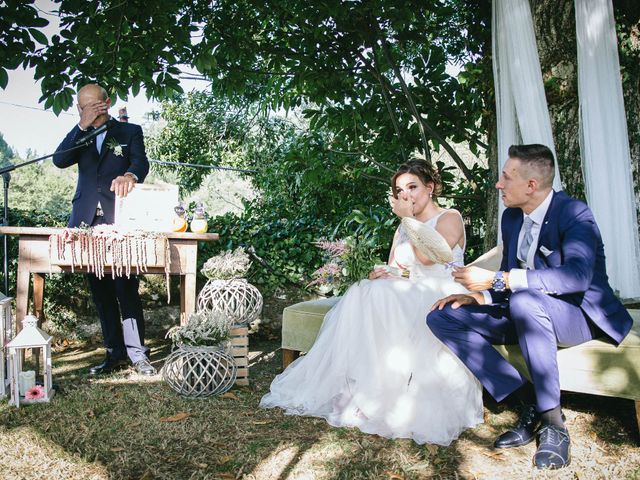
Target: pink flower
column 34, row 393
column 334, row 249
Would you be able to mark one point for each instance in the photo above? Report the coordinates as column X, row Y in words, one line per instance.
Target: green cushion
column 595, row 367
column 302, row 321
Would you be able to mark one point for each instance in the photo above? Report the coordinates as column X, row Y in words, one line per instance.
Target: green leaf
column 39, row 36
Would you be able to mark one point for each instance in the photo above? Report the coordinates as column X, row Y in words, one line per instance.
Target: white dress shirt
column 100, row 140
column 518, row 276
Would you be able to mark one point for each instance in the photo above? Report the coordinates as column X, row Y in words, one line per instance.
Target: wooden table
column 33, row 258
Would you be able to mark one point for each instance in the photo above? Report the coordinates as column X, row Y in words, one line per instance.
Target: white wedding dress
column 376, row 365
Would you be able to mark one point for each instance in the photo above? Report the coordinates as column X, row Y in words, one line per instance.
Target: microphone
column 94, row 133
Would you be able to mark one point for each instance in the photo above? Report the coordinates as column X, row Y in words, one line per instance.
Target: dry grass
column 113, row 428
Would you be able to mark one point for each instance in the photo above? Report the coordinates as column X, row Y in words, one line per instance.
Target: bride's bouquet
column 347, row 261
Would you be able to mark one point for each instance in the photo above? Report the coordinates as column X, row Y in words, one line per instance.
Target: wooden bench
column 595, row 367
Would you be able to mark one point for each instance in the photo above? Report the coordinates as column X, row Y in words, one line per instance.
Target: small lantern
column 5, row 336
column 29, row 337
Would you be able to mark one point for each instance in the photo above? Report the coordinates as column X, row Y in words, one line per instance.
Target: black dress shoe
column 109, row 365
column 524, row 431
column 554, row 448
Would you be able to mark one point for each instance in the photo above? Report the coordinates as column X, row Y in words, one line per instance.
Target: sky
column 25, row 124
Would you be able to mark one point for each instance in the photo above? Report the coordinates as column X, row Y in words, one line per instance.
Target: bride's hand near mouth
column 401, row 206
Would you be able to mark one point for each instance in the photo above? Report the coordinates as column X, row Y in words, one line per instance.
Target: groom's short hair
column 538, row 160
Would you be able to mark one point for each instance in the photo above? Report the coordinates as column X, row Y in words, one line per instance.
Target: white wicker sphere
column 199, row 371
column 236, row 299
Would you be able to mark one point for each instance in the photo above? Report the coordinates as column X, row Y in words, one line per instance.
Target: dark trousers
column 537, row 322
column 117, row 299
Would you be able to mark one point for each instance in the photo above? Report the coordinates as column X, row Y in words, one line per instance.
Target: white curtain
column 521, row 106
column 605, row 145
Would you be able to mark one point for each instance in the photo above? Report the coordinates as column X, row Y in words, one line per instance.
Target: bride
column 375, row 364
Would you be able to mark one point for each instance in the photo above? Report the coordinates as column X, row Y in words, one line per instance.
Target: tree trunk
column 554, row 23
column 555, row 28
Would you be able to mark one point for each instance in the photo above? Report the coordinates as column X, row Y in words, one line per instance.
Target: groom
column 551, row 291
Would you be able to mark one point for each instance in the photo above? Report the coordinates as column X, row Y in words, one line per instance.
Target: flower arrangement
column 114, row 145
column 34, row 393
column 203, row 328
column 227, row 265
column 347, row 261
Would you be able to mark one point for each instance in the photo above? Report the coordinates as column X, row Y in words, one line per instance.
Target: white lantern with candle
column 5, row 336
column 30, row 337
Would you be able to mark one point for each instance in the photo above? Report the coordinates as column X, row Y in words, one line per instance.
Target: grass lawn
column 127, row 427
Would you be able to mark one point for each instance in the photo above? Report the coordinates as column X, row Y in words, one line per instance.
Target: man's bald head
column 92, row 91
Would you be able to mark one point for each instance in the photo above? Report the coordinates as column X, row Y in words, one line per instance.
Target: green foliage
column 67, row 298
column 344, row 63
column 42, row 188
column 204, row 328
column 346, row 262
column 6, row 153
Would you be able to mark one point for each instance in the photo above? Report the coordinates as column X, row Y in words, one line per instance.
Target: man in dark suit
column 108, row 167
column 551, row 291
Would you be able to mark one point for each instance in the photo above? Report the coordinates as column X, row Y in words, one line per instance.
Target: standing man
column 108, row 167
column 122, row 115
column 551, row 291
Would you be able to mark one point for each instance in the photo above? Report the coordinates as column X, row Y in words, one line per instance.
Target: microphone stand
column 6, row 176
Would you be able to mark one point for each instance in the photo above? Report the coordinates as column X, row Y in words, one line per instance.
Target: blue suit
column 97, row 170
column 568, row 301
column 115, row 299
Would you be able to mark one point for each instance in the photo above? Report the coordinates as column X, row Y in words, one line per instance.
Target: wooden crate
column 239, row 350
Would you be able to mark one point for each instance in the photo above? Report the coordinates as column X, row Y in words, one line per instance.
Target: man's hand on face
column 473, row 279
column 91, row 111
column 123, row 185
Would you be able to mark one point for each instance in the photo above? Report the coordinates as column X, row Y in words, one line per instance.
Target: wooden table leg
column 22, row 294
column 183, row 300
column 38, row 296
column 189, row 293
column 38, row 299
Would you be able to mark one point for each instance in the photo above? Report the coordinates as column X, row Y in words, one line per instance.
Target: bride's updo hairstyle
column 421, row 169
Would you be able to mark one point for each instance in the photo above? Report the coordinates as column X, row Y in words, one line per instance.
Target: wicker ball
column 199, row 371
column 236, row 299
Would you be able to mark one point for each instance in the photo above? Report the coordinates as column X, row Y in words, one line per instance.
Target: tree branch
column 368, row 157
column 412, row 106
column 424, row 126
column 374, row 69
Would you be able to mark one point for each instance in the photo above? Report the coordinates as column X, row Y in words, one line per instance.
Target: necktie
column 527, row 240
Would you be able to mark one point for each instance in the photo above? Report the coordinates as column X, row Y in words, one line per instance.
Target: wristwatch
column 498, row 284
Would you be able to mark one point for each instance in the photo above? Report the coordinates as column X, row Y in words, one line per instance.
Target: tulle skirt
column 376, row 366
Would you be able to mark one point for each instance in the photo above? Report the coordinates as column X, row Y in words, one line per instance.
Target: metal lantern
column 199, row 371
column 236, row 299
column 30, row 337
column 5, row 336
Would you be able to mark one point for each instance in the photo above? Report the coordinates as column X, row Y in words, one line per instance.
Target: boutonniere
column 114, row 145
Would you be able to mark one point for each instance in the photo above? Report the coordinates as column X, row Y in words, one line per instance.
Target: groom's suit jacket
column 569, row 263
column 96, row 170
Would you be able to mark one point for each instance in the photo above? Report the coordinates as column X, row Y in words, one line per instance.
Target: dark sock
column 526, row 394
column 552, row 417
